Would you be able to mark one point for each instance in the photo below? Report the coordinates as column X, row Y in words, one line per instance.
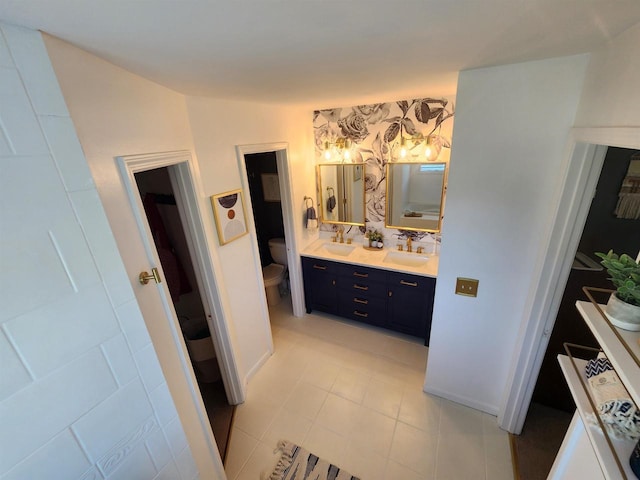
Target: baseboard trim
column 257, row 366
column 468, row 402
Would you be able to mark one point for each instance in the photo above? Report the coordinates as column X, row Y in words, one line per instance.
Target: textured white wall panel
column 31, row 58
column 71, row 326
column 31, row 417
column 18, row 119
column 69, row 321
column 61, row 458
column 120, row 359
column 103, row 247
column 14, row 374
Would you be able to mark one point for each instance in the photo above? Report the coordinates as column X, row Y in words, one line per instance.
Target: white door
column 157, row 308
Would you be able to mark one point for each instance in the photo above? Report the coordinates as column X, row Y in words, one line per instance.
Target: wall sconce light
column 342, row 147
column 432, row 146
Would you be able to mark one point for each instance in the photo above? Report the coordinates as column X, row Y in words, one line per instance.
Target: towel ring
column 331, row 190
column 307, row 199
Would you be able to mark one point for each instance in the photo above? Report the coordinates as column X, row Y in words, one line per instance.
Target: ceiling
column 322, row 52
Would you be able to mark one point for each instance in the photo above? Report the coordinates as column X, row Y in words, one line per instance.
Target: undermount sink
column 405, row 258
column 341, row 249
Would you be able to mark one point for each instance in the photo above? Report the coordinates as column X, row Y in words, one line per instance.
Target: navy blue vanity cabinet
column 320, row 285
column 410, row 304
column 361, row 294
column 397, row 301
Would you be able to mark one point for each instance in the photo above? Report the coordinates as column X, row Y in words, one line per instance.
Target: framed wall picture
column 270, row 187
column 228, row 211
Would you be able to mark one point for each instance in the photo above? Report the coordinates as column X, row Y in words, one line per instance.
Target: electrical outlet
column 467, row 287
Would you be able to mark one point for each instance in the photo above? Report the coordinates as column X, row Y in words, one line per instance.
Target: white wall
column 611, row 95
column 118, row 113
column 512, row 127
column 218, row 126
column 81, row 391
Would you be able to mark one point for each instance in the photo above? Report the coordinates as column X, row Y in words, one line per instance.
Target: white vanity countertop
column 390, row 259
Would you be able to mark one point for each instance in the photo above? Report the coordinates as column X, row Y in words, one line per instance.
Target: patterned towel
column 615, row 407
column 296, row 463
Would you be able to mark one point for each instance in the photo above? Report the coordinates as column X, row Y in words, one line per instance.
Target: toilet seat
column 272, row 274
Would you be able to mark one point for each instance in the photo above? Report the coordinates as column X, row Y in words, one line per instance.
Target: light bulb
column 403, row 148
column 347, row 154
column 432, row 149
column 428, row 152
column 327, row 150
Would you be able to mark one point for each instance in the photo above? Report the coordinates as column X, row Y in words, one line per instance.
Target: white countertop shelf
column 625, row 365
column 372, row 258
column 604, row 454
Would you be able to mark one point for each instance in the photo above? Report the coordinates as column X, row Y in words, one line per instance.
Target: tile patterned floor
column 353, row 396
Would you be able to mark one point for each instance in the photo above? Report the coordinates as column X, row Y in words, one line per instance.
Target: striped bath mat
column 296, row 463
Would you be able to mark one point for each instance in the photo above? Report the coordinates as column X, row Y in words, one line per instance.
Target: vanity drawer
column 362, row 309
column 363, row 274
column 362, row 287
column 397, row 279
column 320, row 265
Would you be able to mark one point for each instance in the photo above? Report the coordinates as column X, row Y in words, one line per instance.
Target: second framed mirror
column 415, row 195
column 341, row 193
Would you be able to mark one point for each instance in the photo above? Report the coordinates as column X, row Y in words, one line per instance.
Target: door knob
column 145, row 276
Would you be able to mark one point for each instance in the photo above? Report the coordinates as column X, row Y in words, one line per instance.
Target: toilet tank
column 278, row 249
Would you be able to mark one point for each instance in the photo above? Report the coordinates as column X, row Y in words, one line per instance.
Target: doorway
column 154, row 301
column 163, row 216
column 266, row 206
column 552, row 404
column 289, row 217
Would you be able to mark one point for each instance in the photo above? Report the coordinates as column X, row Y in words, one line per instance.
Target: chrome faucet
column 409, row 248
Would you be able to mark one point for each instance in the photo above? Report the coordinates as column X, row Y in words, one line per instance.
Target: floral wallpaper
column 374, row 132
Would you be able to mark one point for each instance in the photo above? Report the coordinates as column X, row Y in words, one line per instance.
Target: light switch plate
column 467, row 287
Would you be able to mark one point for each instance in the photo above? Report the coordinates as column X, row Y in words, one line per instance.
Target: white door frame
column 582, row 168
column 182, row 180
column 281, row 150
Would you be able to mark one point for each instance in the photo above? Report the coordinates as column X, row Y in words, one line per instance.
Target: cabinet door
column 320, row 289
column 410, row 304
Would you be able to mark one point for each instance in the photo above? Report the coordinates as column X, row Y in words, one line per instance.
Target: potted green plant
column 623, row 307
column 375, row 238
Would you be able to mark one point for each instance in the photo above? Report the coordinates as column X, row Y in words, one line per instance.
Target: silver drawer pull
column 362, row 275
column 319, row 267
column 365, row 315
column 409, row 284
column 357, row 300
column 360, row 287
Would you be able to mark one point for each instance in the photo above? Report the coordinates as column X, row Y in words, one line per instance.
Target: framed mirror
column 341, row 193
column 415, row 195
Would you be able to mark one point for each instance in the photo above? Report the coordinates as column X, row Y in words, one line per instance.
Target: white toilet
column 274, row 274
